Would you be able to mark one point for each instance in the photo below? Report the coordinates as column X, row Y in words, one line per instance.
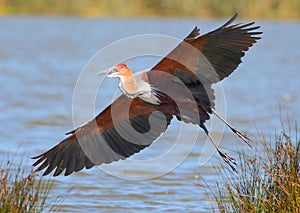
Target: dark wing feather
column 195, row 32
column 113, row 135
column 223, row 49
column 199, row 61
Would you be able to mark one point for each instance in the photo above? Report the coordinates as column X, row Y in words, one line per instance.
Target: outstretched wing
column 125, row 127
column 223, row 48
column 199, row 61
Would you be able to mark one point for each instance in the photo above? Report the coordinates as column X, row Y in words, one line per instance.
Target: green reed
column 279, row 9
column 268, row 182
column 22, row 192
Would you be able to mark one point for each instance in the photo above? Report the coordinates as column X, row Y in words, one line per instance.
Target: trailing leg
column 241, row 135
column 230, row 161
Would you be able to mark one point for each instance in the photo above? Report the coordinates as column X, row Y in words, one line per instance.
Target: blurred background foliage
column 269, row 9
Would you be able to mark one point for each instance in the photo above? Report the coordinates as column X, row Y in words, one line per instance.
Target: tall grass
column 265, row 183
column 279, row 9
column 20, row 191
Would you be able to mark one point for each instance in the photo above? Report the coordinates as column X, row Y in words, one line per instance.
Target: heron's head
column 120, row 70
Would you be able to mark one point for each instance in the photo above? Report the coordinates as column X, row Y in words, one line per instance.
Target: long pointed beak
column 109, row 72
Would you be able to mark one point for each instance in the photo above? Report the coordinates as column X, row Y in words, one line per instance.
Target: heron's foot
column 230, row 161
column 243, row 136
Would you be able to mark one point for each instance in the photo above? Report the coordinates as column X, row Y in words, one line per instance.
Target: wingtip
column 230, row 20
column 36, row 157
column 195, row 32
column 235, row 15
column 233, row 18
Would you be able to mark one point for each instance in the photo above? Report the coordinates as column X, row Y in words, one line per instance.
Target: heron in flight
column 179, row 85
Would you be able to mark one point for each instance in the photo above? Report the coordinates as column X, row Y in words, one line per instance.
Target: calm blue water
column 41, row 59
